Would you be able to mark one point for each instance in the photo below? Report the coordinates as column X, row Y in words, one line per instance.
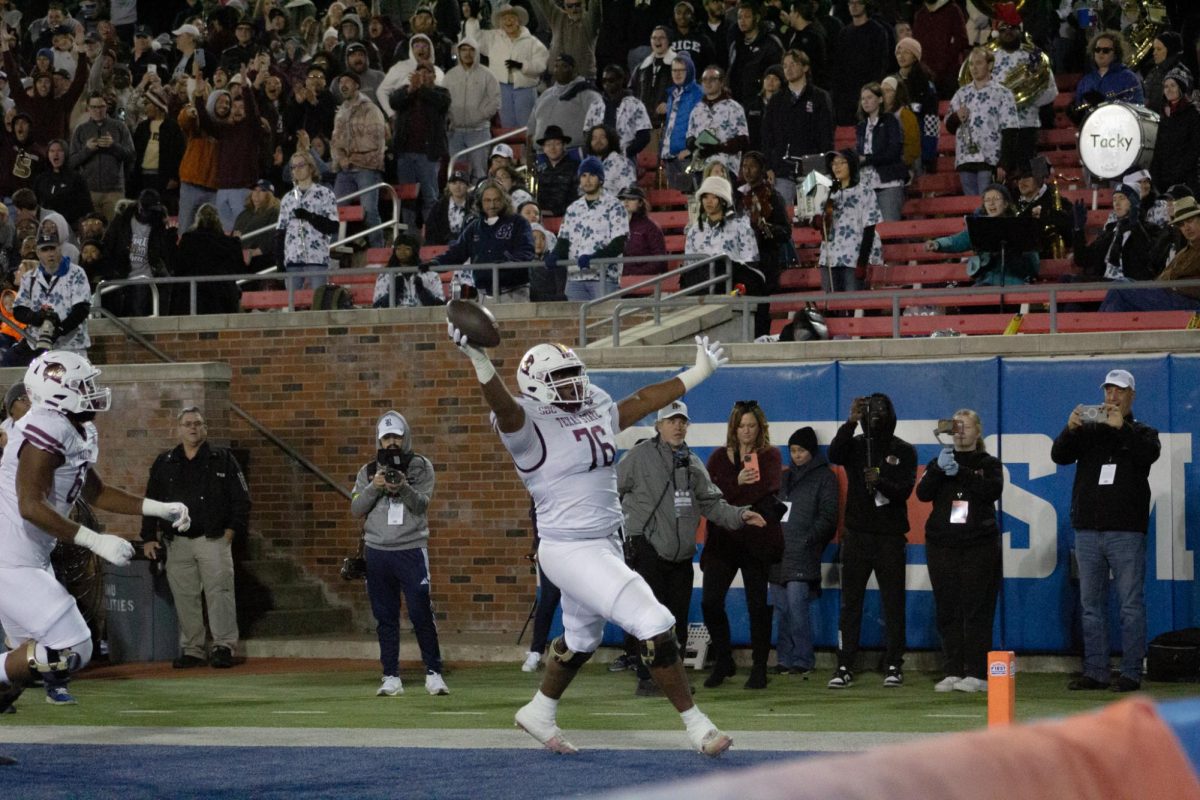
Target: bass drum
column 1116, row 138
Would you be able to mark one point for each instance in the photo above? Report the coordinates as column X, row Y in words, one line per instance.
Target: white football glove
column 111, row 548
column 484, row 369
column 174, row 513
column 709, row 356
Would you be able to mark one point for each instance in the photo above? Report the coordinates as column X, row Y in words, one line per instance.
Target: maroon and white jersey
column 567, row 462
column 21, row 543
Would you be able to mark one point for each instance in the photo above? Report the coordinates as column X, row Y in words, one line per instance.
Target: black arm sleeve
column 324, row 225
column 279, row 237
column 864, row 249
column 640, row 140
column 78, row 314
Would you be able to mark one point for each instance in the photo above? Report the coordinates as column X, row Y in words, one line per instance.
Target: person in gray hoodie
column 811, row 491
column 391, row 494
column 664, row 490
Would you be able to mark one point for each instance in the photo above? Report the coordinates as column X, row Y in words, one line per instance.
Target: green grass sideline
column 485, row 696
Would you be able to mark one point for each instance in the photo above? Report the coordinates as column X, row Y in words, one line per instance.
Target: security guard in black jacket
column 209, row 480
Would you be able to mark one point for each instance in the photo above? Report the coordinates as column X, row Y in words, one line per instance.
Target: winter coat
column 765, row 544
column 648, row 478
column 199, row 164
column 812, row 491
column 798, row 126
column 359, row 134
column 474, row 97
column 978, row 482
column 526, row 49
column 1123, row 504
column 1177, row 149
column 237, row 156
column 431, row 102
column 64, row 191
column 206, row 252
column 896, row 460
column 645, row 239
column 414, row 494
column 171, row 146
column 887, row 148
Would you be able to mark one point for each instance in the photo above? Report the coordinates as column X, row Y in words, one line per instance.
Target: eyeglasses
column 192, row 424
column 711, row 79
column 1104, row 50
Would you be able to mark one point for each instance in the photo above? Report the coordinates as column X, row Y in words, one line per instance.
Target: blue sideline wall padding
column 1023, row 403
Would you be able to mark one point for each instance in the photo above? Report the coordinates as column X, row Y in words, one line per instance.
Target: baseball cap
column 190, row 29
column 675, row 409
column 353, row 46
column 47, row 238
column 390, row 424
column 1116, row 377
column 265, row 185
column 458, row 175
column 502, row 150
column 45, row 52
column 143, row 30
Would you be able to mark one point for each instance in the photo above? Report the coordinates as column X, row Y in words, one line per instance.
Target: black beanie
column 806, row 438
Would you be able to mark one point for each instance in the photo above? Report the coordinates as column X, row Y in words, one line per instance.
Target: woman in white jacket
column 517, row 58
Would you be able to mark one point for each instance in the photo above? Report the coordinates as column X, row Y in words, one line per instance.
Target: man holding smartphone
column 1110, row 511
column 881, row 470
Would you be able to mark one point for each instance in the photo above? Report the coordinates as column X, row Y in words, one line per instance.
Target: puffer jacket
column 812, row 491
column 526, row 49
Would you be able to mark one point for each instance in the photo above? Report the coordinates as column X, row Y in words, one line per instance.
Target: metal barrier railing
column 514, row 133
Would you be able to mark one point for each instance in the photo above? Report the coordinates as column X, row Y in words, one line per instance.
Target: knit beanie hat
column 1182, row 77
column 592, row 165
column 804, row 437
column 1134, row 196
column 910, row 44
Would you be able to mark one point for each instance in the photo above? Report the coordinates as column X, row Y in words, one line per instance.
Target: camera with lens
column 1092, row 414
column 393, row 464
column 681, row 458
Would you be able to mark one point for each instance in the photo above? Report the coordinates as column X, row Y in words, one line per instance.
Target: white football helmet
column 66, row 382
column 547, row 369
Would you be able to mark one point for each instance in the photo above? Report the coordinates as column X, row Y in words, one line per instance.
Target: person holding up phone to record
column 748, row 472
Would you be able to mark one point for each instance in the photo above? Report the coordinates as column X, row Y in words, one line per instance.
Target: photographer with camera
column 1110, row 511
column 881, row 469
column 664, row 490
column 391, row 494
column 962, row 546
column 209, row 481
column 53, row 302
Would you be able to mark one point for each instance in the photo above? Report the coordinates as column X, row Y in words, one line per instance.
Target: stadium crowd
column 123, row 120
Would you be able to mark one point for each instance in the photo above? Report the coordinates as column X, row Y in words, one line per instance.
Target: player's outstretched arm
column 509, row 415
column 648, row 399
column 35, row 478
column 119, row 501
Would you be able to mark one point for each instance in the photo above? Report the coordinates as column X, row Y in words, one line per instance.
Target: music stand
column 998, row 234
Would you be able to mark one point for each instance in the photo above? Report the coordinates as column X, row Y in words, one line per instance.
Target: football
column 475, row 321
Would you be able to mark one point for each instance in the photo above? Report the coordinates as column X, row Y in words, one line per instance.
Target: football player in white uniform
column 49, row 461
column 561, row 433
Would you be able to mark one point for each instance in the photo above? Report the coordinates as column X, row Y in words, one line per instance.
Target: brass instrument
column 1058, row 247
column 705, row 138
column 1027, row 80
column 531, row 179
column 1152, row 20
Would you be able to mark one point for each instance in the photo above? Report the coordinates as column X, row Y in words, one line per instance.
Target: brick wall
column 320, row 385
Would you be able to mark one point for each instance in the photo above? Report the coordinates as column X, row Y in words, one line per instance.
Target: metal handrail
column 1052, row 290
column 656, row 281
column 340, row 200
column 494, row 140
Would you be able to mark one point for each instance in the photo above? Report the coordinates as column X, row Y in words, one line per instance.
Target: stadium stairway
column 275, row 599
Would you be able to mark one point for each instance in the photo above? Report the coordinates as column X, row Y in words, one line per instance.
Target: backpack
column 1174, row 656
column 331, row 297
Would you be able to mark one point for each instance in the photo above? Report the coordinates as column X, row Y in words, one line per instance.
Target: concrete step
column 679, row 327
column 271, row 571
column 292, row 622
column 296, row 595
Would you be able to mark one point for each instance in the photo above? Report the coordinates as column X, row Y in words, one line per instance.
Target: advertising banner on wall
column 1023, row 405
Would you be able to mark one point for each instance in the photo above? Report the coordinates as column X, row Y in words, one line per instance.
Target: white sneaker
column 435, row 685
column 946, row 684
column 971, row 685
column 712, row 743
column 545, row 731
column 532, row 662
column 390, row 687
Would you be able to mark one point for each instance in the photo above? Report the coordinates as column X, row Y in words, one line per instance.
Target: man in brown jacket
column 359, row 139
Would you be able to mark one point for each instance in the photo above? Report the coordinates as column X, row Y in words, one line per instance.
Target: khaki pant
column 106, row 203
column 196, row 566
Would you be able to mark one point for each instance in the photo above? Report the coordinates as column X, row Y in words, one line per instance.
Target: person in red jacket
column 234, row 122
column 645, row 237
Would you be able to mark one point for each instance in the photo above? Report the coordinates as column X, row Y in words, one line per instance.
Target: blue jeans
column 392, row 574
column 230, row 203
column 352, row 180
column 891, row 202
column 1124, row 553
column 191, row 197
column 589, row 290
column 416, row 168
column 516, row 105
column 461, row 139
column 794, row 645
column 307, row 282
column 1148, row 300
column 974, row 182
column 842, row 278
